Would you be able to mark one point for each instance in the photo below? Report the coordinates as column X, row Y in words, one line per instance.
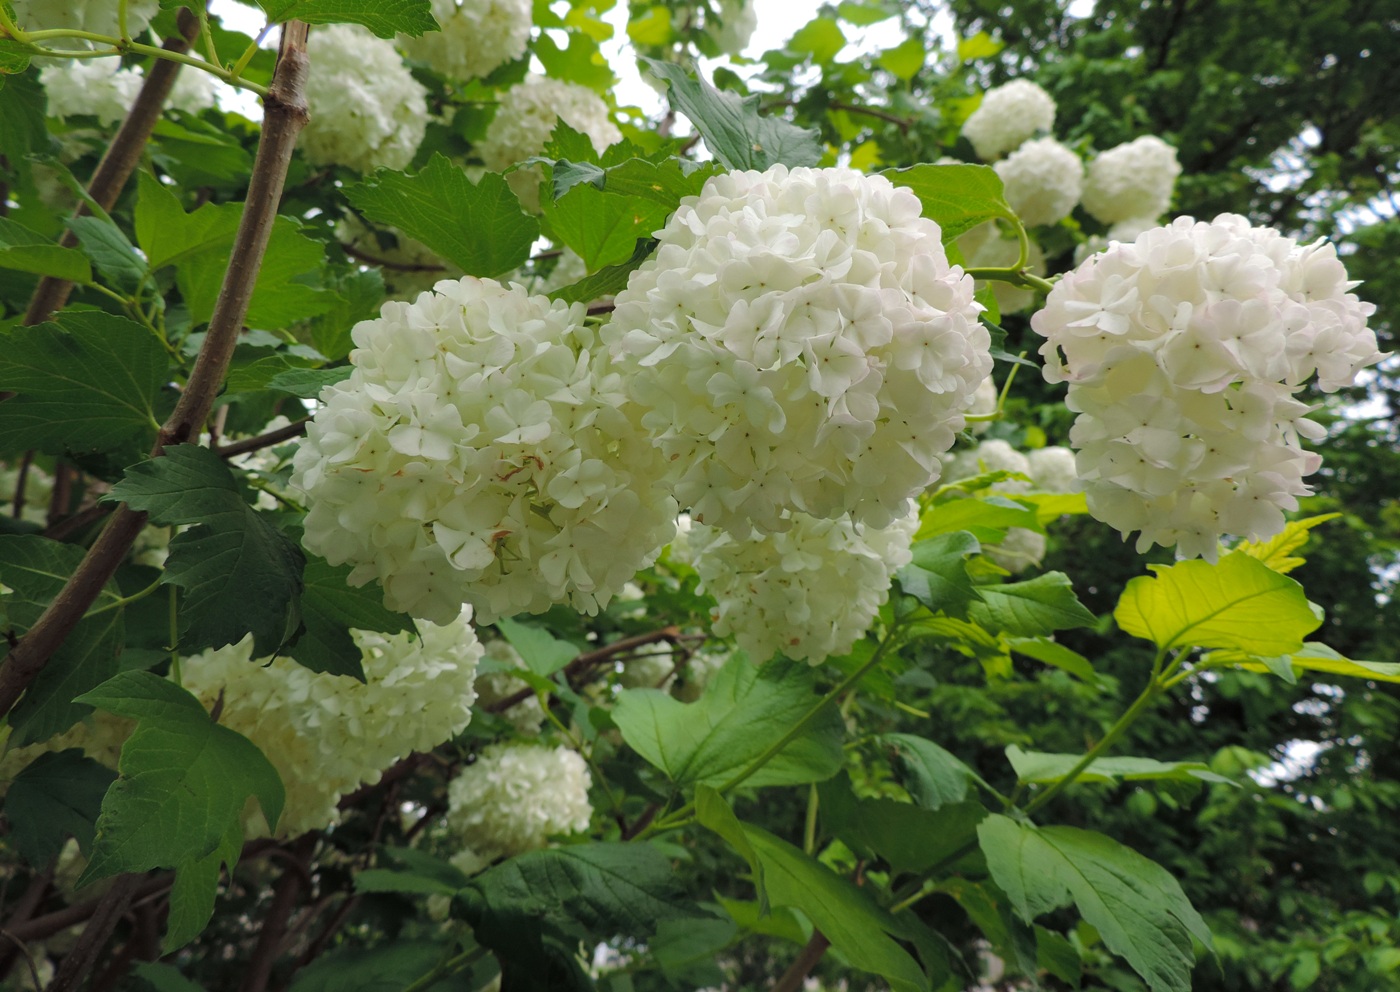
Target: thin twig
column 285, row 897
column 806, row 960
column 105, row 917
column 284, row 116
column 263, row 440
column 360, row 255
column 589, row 659
column 43, row 927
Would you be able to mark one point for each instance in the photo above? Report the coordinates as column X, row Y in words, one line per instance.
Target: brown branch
column 903, row 123
column 62, row 494
column 319, row 942
column 23, row 910
column 68, row 526
column 284, row 902
column 806, row 960
column 43, row 927
column 641, row 822
column 284, row 116
column 120, row 159
column 105, row 917
column 21, row 479
column 360, row 255
column 589, row 659
column 263, row 440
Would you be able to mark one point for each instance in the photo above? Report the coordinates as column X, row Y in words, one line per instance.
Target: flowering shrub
column 514, row 797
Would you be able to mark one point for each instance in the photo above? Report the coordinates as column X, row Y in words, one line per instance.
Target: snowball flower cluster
column 96, row 16
column 1184, row 351
column 483, row 451
column 1007, row 116
column 1131, row 181
column 514, row 796
column 800, row 341
column 477, row 37
column 99, row 88
column 780, row 593
column 1043, row 180
column 329, row 734
column 367, row 110
column 526, row 118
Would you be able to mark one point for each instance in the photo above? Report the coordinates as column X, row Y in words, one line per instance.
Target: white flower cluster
column 1007, row 116
column 734, row 27
column 514, row 796
column 1184, row 351
column 102, row 88
column 779, row 592
column 329, row 734
column 1043, row 179
column 800, row 341
column 97, row 16
column 526, row 118
column 1132, row 181
column 367, row 110
column 1047, row 470
column 483, row 451
column 477, row 37
column 99, row 88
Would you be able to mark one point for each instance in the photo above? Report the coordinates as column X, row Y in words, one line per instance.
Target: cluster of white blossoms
column 328, row 734
column 526, row 118
column 1008, row 116
column 1183, row 352
column 483, row 451
column 808, row 592
column 800, row 341
column 367, row 110
column 515, row 796
column 99, row 88
column 1045, row 470
column 1043, row 180
column 104, row 89
column 96, row 16
column 477, row 37
column 1131, row 182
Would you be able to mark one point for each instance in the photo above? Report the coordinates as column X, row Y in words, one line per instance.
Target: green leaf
column 478, row 227
column 239, row 573
column 734, row 131
column 821, row 38
column 543, row 653
column 687, row 950
column 420, row 874
column 1051, row 653
column 905, row 59
column 932, row 776
column 114, row 257
column 384, row 17
column 161, row 977
column 580, row 61
column 856, row 926
column 178, row 803
column 86, row 383
column 1138, row 909
column 937, row 575
column 986, row 517
column 330, row 609
column 865, row 14
column 1313, row 657
column 1277, row 551
column 956, row 197
column 908, row 838
column 743, row 712
column 1239, row 603
column 607, row 281
column 390, row 967
column 1042, row 768
column 980, row 46
column 308, row 383
column 623, row 888
column 29, row 251
column 1033, row 608
column 56, row 796
column 651, row 27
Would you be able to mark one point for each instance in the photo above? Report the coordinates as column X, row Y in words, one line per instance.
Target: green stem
column 809, row 835
column 174, row 619
column 117, row 604
column 446, row 968
column 120, row 46
column 246, row 57
column 1144, row 700
column 207, row 34
column 123, row 27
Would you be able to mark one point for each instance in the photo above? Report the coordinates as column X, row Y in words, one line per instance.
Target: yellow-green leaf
column 1277, row 551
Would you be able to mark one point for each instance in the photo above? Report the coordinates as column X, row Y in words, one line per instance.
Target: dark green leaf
column 956, row 197
column 607, row 281
column 87, row 382
column 178, row 803
column 937, row 576
column 1039, row 767
column 308, row 383
column 1138, row 909
column 86, row 658
column 743, row 712
column 330, row 609
column 908, row 838
column 112, row 255
column 478, row 227
column 391, row 967
column 931, row 775
column 56, row 796
column 384, row 17
column 1033, row 608
column 161, row 977
column 734, row 130
column 420, row 873
column 239, row 573
column 30, row 251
